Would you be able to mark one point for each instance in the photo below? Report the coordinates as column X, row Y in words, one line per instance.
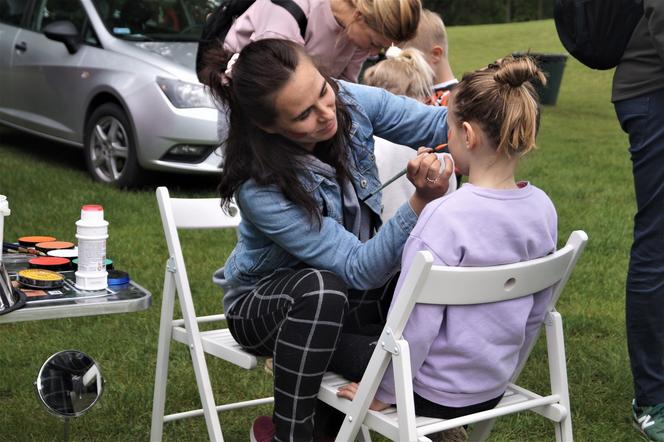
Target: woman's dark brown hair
column 248, row 97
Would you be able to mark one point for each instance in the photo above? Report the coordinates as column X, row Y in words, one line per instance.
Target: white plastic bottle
column 92, row 231
column 4, row 211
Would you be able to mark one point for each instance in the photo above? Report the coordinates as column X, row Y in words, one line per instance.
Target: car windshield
column 155, row 20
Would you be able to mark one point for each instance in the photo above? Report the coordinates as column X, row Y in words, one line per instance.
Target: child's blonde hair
column 503, row 101
column 430, row 32
column 407, row 74
column 396, row 20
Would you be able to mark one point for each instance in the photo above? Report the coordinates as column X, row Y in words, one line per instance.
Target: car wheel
column 110, row 149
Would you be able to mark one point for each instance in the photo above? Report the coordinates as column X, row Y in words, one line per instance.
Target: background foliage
column 467, row 12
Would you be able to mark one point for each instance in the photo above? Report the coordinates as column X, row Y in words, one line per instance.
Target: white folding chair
column 197, row 213
column 430, row 284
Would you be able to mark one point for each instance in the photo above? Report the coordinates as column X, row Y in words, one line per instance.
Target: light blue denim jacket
column 275, row 233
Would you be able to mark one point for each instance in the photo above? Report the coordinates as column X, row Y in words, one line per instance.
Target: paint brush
column 9, row 247
column 399, row 175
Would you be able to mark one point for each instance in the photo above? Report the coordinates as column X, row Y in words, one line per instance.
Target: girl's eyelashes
column 323, row 91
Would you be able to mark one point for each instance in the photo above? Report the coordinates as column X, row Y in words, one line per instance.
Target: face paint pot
column 52, row 263
column 32, row 241
column 47, row 246
column 40, row 279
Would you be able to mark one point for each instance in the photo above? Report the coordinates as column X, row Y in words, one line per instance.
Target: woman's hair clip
column 229, row 66
column 393, row 52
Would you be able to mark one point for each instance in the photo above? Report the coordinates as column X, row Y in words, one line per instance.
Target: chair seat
column 387, row 420
column 220, row 343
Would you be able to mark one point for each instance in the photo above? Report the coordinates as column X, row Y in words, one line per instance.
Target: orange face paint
column 50, row 263
column 54, row 245
column 30, row 241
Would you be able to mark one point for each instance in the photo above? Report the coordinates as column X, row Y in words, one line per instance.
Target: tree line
column 471, row 12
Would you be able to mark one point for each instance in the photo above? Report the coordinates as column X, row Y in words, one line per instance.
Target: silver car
column 115, row 77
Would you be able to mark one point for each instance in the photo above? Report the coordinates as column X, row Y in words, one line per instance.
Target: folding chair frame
column 200, row 213
column 422, row 285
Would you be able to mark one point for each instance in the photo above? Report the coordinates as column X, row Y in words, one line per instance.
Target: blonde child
column 431, row 40
column 462, row 357
column 403, row 72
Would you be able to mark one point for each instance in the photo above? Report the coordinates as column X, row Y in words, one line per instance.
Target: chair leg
column 200, row 365
column 363, row 435
column 558, row 372
column 481, row 430
column 163, row 351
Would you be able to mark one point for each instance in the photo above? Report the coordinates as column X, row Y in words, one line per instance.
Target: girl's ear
column 436, row 54
column 357, row 16
column 469, row 135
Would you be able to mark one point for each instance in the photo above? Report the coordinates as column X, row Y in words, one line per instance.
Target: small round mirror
column 69, row 383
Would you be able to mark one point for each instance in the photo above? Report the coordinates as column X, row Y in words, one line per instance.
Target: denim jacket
column 275, row 233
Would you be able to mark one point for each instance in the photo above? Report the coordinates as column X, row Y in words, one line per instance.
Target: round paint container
column 40, row 279
column 118, row 277
column 47, row 246
column 64, row 253
column 53, row 263
column 31, row 241
column 107, row 262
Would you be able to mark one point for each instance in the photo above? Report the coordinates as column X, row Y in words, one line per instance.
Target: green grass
column 582, row 163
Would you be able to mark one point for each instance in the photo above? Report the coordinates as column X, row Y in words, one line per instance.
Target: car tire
column 110, row 147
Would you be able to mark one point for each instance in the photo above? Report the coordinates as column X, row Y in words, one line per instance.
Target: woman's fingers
column 425, row 167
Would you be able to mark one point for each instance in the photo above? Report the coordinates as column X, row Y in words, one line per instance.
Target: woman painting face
column 306, row 108
column 366, row 38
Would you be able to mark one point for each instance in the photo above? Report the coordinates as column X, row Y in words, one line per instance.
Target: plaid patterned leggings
column 297, row 316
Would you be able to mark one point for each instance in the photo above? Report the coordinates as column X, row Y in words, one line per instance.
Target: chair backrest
column 426, row 283
column 190, row 213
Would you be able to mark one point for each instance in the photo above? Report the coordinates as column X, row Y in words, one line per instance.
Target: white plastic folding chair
column 196, row 213
column 430, row 284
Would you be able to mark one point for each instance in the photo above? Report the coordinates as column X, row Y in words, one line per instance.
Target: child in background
column 431, row 39
column 462, row 357
column 403, row 72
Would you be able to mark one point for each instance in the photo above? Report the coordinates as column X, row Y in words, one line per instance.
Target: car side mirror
column 63, row 31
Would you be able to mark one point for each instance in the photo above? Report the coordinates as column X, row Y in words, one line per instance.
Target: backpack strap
column 296, row 12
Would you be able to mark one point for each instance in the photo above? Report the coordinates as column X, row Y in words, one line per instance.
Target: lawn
column 582, row 164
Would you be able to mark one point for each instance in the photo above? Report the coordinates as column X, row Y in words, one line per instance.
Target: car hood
column 182, row 53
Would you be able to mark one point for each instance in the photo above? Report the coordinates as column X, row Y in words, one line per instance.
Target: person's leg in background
column 643, row 119
column 297, row 316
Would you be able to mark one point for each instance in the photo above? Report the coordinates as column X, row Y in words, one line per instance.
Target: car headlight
column 185, row 95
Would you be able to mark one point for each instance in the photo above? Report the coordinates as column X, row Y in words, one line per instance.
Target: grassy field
column 582, row 163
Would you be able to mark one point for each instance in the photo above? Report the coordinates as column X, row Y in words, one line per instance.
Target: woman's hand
column 349, row 391
column 424, row 171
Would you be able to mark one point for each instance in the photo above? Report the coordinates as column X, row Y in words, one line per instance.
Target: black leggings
column 297, row 316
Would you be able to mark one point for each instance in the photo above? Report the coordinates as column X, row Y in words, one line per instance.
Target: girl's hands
column 424, row 171
column 349, row 391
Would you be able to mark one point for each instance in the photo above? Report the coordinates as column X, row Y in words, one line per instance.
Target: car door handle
column 21, row 47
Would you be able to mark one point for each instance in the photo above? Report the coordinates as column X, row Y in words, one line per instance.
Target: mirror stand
column 69, row 383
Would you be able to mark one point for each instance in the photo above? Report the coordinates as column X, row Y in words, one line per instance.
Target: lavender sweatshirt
column 324, row 40
column 464, row 355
